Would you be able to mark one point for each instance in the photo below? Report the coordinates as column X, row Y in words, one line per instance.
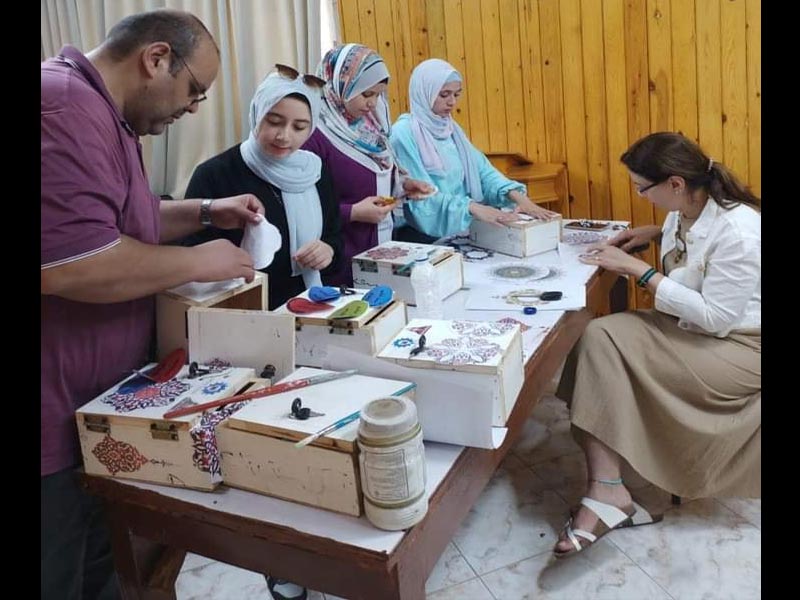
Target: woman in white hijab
column 291, row 183
column 433, row 148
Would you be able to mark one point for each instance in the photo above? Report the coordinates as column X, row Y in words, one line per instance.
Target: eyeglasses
column 198, row 90
column 292, row 73
column 641, row 190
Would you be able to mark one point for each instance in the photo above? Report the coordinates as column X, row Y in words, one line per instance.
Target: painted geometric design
column 403, row 342
column 214, row 387
column 217, row 365
column 581, row 237
column 518, row 272
column 205, row 452
column 481, row 328
column 512, row 321
column 466, row 350
column 156, row 394
column 387, row 253
column 118, row 456
column 463, row 245
column 420, row 330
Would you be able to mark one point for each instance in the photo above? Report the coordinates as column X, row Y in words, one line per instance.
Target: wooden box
column 258, row 445
column 489, row 352
column 525, row 237
column 125, row 435
column 390, row 264
column 172, row 305
column 316, row 335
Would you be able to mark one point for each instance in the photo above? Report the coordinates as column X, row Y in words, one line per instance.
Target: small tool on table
column 300, row 412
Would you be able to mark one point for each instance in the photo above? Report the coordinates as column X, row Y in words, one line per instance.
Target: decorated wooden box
column 317, row 335
column 391, row 262
column 486, row 353
column 524, row 237
column 171, row 306
column 123, row 433
column 258, row 445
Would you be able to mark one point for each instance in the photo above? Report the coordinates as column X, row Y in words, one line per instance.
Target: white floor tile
column 451, row 569
column 600, row 572
column 702, row 550
column 749, row 508
column 514, row 518
column 470, row 590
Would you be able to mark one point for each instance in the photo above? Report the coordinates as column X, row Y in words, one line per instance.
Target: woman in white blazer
column 674, row 392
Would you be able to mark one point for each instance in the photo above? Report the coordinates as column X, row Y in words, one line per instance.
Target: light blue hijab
column 295, row 175
column 426, row 82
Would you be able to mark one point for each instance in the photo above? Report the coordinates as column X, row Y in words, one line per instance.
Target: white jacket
column 719, row 288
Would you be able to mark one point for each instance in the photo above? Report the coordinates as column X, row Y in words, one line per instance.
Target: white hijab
column 295, row 175
column 426, row 82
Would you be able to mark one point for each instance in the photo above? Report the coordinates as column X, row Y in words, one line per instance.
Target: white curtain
column 252, row 36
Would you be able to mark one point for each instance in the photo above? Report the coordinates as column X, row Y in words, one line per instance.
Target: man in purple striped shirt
column 101, row 255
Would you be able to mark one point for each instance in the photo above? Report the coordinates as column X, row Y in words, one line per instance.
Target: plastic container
column 392, row 463
column 426, row 288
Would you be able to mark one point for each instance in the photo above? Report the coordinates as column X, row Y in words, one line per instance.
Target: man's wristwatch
column 205, row 212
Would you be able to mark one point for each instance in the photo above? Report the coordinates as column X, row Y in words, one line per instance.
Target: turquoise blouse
column 447, row 212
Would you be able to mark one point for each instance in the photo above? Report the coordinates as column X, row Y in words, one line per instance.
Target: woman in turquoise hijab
column 433, row 148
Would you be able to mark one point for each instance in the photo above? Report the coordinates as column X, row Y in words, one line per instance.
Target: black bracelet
column 646, row 276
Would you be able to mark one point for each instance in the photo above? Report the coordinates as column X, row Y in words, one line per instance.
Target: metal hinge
column 164, row 431
column 97, row 423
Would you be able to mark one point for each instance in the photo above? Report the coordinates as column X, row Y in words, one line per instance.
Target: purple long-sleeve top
column 352, row 183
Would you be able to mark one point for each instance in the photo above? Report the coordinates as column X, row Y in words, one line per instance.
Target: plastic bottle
column 426, row 288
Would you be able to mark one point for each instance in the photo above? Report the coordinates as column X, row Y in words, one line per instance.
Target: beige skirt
column 684, row 409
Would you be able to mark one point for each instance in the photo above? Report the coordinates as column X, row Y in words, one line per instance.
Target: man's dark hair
column 182, row 31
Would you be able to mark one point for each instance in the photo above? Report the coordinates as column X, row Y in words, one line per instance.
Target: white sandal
column 610, row 517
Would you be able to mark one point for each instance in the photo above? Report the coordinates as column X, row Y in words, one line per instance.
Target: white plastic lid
column 387, row 417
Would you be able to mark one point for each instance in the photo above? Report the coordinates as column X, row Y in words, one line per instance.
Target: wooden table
column 151, row 533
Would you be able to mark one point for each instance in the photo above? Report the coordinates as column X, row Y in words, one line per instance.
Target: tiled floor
column 703, row 549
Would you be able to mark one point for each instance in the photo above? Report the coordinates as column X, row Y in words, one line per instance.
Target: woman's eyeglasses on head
column 292, row 73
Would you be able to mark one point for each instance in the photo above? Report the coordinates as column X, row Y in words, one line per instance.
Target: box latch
column 164, row 431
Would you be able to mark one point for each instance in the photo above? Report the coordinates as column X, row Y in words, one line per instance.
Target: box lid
column 197, row 293
column 401, row 254
column 149, row 403
column 453, row 345
column 321, row 318
column 336, row 399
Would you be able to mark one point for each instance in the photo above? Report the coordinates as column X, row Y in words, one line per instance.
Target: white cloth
column 718, row 291
column 295, row 175
column 261, row 241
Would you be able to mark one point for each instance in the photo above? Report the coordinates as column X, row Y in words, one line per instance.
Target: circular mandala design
column 519, row 272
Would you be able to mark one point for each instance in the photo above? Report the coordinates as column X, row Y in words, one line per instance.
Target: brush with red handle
column 278, row 388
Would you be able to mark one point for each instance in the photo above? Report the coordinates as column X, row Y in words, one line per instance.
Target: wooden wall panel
column 578, row 81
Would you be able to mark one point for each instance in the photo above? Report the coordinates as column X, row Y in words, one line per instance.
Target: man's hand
column 314, row 255
column 235, row 212
column 219, row 260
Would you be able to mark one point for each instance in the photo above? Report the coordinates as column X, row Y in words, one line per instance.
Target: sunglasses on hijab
column 292, row 73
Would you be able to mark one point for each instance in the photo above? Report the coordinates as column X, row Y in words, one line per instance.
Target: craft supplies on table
column 172, row 306
column 317, row 335
column 125, row 434
column 259, row 450
column 391, row 263
column 525, row 237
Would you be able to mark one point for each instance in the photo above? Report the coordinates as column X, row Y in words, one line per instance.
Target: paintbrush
column 343, row 421
column 278, row 388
